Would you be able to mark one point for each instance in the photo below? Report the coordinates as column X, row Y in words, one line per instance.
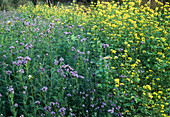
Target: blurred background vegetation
column 13, row 4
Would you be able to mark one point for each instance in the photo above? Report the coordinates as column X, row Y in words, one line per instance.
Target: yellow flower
column 112, row 67
column 117, row 81
column 160, row 92
column 144, row 51
column 129, row 58
column 166, row 103
column 77, row 63
column 121, row 83
column 114, row 51
column 150, row 95
column 126, row 42
column 123, row 56
column 159, row 97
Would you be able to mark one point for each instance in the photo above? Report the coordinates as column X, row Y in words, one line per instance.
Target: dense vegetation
column 109, row 60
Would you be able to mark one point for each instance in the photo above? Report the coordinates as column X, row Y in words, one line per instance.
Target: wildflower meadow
column 106, row 60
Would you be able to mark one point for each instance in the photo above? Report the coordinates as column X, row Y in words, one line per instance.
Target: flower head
column 44, row 89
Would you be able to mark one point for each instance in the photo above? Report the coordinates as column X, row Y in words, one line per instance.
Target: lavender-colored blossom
column 12, row 47
column 24, row 92
column 69, row 94
column 117, row 108
column 52, row 112
column 42, row 114
column 42, row 69
column 83, row 39
column 21, row 71
column 44, row 89
column 61, row 59
column 0, row 95
column 19, row 57
column 78, row 36
column 62, row 111
column 102, row 29
column 82, row 77
column 48, row 108
column 81, row 52
column 51, row 103
column 120, row 49
column 4, row 56
column 37, row 102
column 25, row 87
column 111, row 110
column 27, row 58
column 73, row 48
column 8, row 72
column 16, row 105
column 11, row 90
column 88, row 52
column 56, row 62
column 59, row 70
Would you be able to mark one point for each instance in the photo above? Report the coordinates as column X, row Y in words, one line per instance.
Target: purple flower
column 8, row 72
column 48, row 108
column 12, row 47
column 120, row 49
column 62, row 111
column 56, row 62
column 21, row 71
column 88, row 52
column 73, row 48
column 42, row 114
column 78, row 36
column 59, row 70
column 102, row 29
column 4, row 56
column 27, row 58
column 10, row 89
column 61, row 59
column 37, row 102
column 141, row 42
column 111, row 110
column 52, row 112
column 69, row 94
column 25, row 87
column 82, row 77
column 24, row 92
column 0, row 95
column 16, row 105
column 51, row 103
column 42, row 69
column 44, row 89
